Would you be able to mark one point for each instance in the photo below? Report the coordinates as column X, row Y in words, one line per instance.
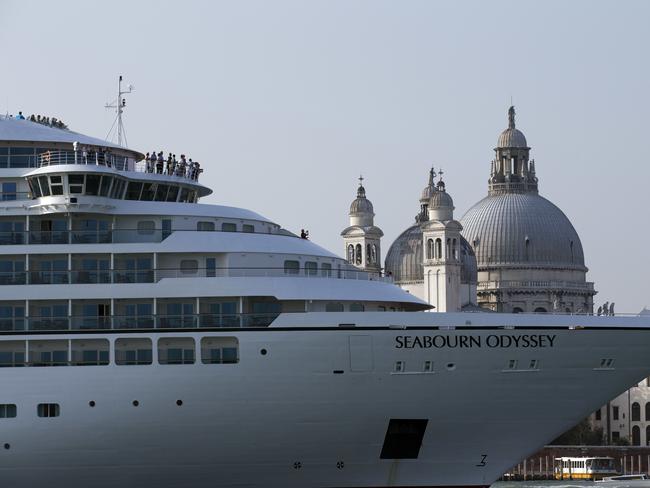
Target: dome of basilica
column 405, row 257
column 522, row 229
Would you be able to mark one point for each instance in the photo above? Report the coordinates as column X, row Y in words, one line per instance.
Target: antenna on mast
column 119, row 105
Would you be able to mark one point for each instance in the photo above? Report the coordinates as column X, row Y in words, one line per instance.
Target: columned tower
column 362, row 238
column 442, row 257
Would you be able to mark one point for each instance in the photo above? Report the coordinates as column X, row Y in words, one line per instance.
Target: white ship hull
column 314, row 411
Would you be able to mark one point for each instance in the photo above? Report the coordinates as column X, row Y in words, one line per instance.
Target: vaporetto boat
column 148, row 340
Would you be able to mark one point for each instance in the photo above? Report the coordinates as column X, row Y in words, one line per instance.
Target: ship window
column 118, row 188
column 12, row 354
column 45, row 188
column 48, row 353
column 133, row 190
column 48, row 410
column 210, row 267
column 75, row 183
column 184, row 194
column 248, row 228
column 311, row 268
column 136, row 351
column 173, row 194
column 534, row 364
column 146, row 227
column 105, row 185
column 399, row 366
column 512, row 364
column 291, row 267
column 326, row 269
column 176, row 350
column 205, row 226
column 428, row 366
column 219, row 350
column 334, row 307
column 7, row 411
column 34, row 187
column 403, row 438
column 148, row 192
column 229, row 227
column 89, row 352
column 92, row 184
column 161, row 193
column 189, row 266
column 357, row 307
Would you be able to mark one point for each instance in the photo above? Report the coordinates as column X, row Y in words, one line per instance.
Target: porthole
column 451, row 366
column 179, row 402
column 136, row 403
column 91, row 403
column 7, row 446
column 263, row 352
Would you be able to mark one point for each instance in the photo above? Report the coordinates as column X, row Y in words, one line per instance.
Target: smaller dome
column 512, row 137
column 361, row 204
column 441, row 199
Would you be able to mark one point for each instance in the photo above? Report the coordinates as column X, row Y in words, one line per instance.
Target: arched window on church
column 374, row 253
column 430, row 249
column 351, row 254
column 636, row 436
column 447, row 250
column 647, row 412
column 455, row 248
column 647, row 435
column 438, row 254
column 636, row 412
column 368, row 254
column 359, row 254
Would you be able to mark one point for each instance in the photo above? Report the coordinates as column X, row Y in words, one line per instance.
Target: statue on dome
column 511, row 117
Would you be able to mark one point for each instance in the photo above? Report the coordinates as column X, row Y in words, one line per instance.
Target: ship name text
column 525, row 341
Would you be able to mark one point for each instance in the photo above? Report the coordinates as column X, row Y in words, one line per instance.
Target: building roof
column 522, row 229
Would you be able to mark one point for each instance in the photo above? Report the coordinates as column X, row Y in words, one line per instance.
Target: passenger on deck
column 160, row 163
column 168, row 170
column 20, row 116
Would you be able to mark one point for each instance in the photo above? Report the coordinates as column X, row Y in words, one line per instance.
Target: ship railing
column 141, row 322
column 103, row 275
column 10, row 196
column 90, row 157
column 110, row 160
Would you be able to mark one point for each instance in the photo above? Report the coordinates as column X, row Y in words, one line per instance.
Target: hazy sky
column 286, row 102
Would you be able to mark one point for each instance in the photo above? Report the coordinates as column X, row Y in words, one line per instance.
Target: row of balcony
column 106, row 276
column 128, row 322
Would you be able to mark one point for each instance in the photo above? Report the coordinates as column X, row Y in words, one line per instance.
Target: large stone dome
column 522, row 229
column 512, row 137
column 404, row 260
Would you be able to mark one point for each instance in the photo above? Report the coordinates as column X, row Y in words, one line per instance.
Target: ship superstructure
column 147, row 339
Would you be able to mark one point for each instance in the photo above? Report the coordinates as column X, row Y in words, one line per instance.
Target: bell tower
column 362, row 239
column 442, row 248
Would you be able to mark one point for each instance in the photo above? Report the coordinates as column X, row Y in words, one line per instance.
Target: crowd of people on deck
column 41, row 119
column 157, row 163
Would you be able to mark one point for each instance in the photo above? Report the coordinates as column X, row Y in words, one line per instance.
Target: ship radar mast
column 119, row 104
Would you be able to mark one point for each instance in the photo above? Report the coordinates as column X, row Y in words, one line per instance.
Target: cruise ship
column 149, row 340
